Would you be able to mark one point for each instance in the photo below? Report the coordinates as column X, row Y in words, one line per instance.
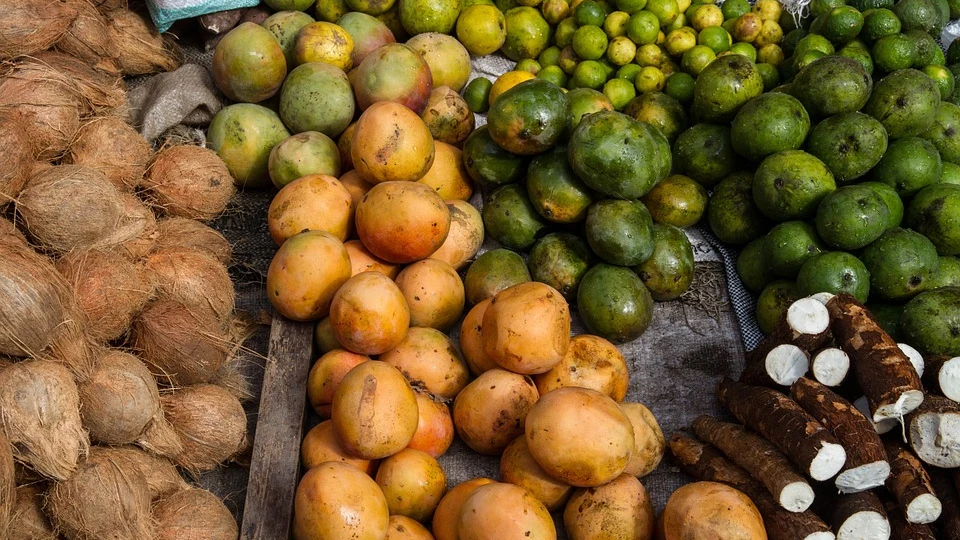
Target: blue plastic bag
column 166, row 12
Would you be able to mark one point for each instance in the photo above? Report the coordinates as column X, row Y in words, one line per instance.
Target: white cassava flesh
column 914, row 356
column 808, row 316
column 786, row 363
column 830, row 366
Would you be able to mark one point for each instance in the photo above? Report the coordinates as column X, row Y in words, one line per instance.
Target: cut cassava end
column 866, row 466
column 949, row 493
column 704, row 462
column 910, row 484
column 830, row 366
column 822, row 297
column 934, row 431
column 784, row 423
column 860, row 516
column 916, row 359
column 901, row 528
column 943, row 376
column 884, row 372
column 885, row 425
column 760, row 458
column 780, row 366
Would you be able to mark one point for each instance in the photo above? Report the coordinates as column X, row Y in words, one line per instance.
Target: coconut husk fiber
column 140, row 49
column 28, row 520
column 109, row 288
column 16, row 154
column 189, row 181
column 193, row 278
column 30, row 26
column 191, row 234
column 102, row 93
column 40, row 414
column 108, row 497
column 162, row 476
column 211, row 423
column 111, row 146
column 50, row 104
column 194, row 514
column 69, row 207
column 87, row 38
column 136, row 234
column 8, row 497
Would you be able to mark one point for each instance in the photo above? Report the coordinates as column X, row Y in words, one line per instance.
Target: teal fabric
column 166, row 12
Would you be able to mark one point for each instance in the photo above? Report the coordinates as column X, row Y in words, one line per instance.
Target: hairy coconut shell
column 70, row 207
column 109, row 288
column 137, row 233
column 190, row 233
column 182, row 346
column 108, row 497
column 10, row 233
column 8, row 497
column 113, row 147
column 194, row 514
column 231, row 378
column 140, row 49
column 88, row 40
column 16, row 154
column 162, row 476
column 211, row 423
column 193, row 278
column 189, row 181
column 102, row 93
column 50, row 104
column 30, row 26
column 41, row 417
column 32, row 297
column 28, row 521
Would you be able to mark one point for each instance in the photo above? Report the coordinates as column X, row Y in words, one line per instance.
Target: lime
column 529, row 65
column 939, row 59
column 621, row 51
column 706, row 16
column 528, row 34
column 669, row 67
column 879, row 23
column 631, row 6
column 680, row 41
column 925, row 46
column 697, row 58
column 555, row 11
column 943, row 77
column 769, row 10
column 805, row 59
column 891, row 53
column 589, row 42
column 679, row 86
column 823, row 7
column 716, row 38
column 553, row 74
column 588, row 74
column 918, row 14
column 650, row 79
column 609, row 68
column 615, row 25
column 507, row 81
column 563, row 34
column 550, row 56
column 477, row 94
column 770, row 75
column 629, row 72
column 642, row 28
column 732, row 9
column 568, row 60
column 814, row 42
column 589, row 12
column 950, row 174
column 649, row 55
column 867, row 5
column 666, row 11
column 770, row 53
column 481, row 29
column 745, row 49
column 679, row 22
column 790, row 41
column 620, row 92
column 842, row 24
column 953, row 52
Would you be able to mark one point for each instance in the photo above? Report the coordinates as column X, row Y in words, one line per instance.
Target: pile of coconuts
column 118, row 334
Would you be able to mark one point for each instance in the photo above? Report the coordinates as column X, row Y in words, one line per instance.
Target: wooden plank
column 275, row 463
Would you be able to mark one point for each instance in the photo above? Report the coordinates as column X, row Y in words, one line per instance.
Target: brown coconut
column 211, row 423
column 189, row 181
column 30, row 26
column 108, row 287
column 231, row 378
column 137, row 233
column 102, row 93
column 190, row 233
column 28, row 521
column 182, row 346
column 193, row 278
column 194, row 514
column 8, row 497
column 108, row 497
column 16, row 154
column 10, row 233
column 88, row 40
column 70, row 207
column 113, row 147
column 41, row 417
column 162, row 476
column 50, row 104
column 120, row 404
column 140, row 49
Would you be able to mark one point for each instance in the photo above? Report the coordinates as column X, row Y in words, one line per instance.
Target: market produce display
column 117, row 328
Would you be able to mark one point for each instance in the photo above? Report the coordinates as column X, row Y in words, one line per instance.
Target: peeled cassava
column 41, row 417
column 101, row 93
column 87, row 38
column 108, row 497
column 30, row 26
column 8, row 497
column 70, row 207
column 192, row 278
column 28, row 521
column 183, row 346
column 189, row 181
column 50, row 103
column 111, row 146
column 109, row 288
column 211, row 424
column 194, row 514
column 16, row 154
column 190, row 233
column 140, row 49
column 120, row 404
